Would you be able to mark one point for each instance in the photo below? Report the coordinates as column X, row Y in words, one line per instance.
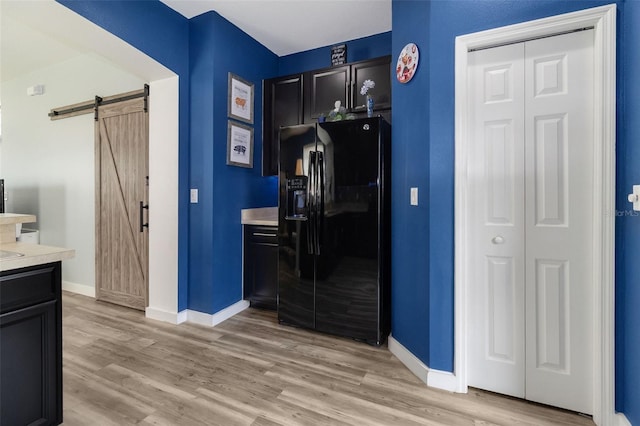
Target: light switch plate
column 414, row 196
column 194, row 195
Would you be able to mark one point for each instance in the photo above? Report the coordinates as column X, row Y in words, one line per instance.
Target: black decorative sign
column 338, row 55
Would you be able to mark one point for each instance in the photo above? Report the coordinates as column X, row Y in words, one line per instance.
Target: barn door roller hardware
column 96, row 105
column 86, row 107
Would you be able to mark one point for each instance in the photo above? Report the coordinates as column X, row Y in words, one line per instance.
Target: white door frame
column 603, row 21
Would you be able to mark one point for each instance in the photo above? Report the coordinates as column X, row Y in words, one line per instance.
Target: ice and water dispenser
column 297, row 198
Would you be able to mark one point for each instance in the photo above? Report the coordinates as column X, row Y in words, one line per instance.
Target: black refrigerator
column 334, row 228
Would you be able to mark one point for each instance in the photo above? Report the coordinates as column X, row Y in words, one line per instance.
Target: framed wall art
column 339, row 55
column 239, row 145
column 240, row 99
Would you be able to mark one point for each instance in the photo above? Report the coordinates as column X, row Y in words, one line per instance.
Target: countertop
column 11, row 224
column 32, row 254
column 13, row 218
column 265, row 216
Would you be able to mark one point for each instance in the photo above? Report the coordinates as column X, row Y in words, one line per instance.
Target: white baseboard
column 410, row 361
column 196, row 317
column 85, row 290
column 434, row 378
column 621, row 420
column 215, row 319
column 165, row 316
column 444, row 380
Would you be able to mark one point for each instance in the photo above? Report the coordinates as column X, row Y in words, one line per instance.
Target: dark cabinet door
column 324, row 88
column 378, row 70
column 29, row 371
column 31, row 345
column 282, row 107
column 261, row 266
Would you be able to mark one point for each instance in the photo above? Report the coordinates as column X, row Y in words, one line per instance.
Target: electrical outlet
column 194, row 195
column 414, row 196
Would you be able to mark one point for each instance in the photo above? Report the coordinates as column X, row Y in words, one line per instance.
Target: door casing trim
column 603, row 20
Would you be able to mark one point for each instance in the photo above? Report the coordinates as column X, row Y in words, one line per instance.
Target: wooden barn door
column 122, row 170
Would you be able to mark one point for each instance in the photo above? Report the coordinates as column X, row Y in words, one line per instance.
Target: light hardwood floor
column 121, row 368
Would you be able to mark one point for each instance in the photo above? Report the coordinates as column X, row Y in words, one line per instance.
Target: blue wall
column 218, row 47
column 423, row 23
column 357, row 50
column 215, row 262
column 410, row 156
column 628, row 226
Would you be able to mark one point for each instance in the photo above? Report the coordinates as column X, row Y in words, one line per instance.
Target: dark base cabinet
column 261, row 266
column 31, row 346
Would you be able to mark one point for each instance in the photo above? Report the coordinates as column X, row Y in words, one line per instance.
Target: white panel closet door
column 559, row 217
column 496, row 247
column 530, row 165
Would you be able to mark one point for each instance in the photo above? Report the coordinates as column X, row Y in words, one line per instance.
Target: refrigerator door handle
column 320, row 194
column 311, row 205
column 316, row 200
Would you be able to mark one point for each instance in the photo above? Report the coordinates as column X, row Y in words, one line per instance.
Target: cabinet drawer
column 261, row 234
column 28, row 286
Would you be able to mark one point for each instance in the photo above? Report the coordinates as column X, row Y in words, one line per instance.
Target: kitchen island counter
column 30, row 327
column 30, row 255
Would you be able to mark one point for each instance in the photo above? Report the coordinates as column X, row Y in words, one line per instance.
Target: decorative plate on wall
column 407, row 63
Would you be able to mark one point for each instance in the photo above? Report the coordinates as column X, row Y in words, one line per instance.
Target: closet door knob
column 498, row 239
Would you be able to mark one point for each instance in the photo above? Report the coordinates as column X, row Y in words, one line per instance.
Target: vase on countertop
column 370, row 106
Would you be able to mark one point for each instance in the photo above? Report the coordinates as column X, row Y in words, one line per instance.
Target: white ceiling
column 19, row 41
column 39, row 33
column 292, row 26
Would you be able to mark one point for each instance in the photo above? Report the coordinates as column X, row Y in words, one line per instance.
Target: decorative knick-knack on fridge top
column 366, row 86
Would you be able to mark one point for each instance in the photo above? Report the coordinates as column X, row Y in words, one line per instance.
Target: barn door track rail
column 88, row 106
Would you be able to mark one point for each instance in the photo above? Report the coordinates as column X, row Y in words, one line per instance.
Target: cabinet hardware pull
column 262, row 234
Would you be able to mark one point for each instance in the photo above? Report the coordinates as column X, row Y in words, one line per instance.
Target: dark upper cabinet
column 379, row 71
column 324, row 88
column 301, row 98
column 282, row 107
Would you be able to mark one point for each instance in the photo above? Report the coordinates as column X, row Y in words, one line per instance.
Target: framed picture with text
column 239, row 145
column 240, row 99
